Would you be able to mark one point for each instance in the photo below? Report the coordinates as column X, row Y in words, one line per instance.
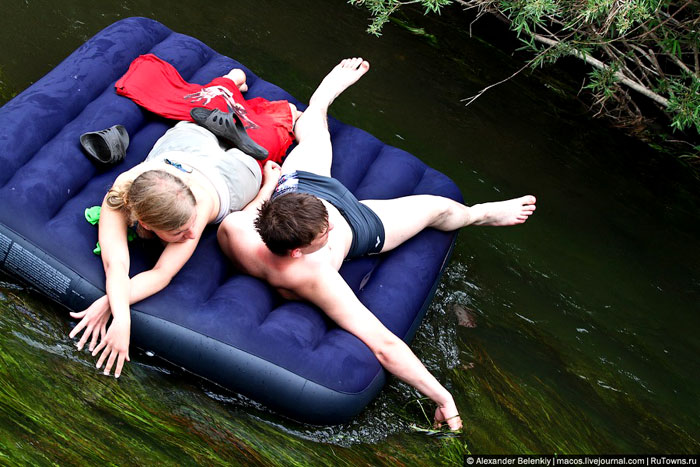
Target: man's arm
column 331, row 293
column 271, row 175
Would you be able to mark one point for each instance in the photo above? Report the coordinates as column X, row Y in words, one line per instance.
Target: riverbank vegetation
column 641, row 56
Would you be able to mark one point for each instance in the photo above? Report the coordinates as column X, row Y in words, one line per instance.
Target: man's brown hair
column 291, row 221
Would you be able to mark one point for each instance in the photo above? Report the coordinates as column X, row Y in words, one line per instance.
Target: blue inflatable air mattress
column 227, row 327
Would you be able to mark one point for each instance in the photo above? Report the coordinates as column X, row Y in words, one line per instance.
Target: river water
column 574, row 333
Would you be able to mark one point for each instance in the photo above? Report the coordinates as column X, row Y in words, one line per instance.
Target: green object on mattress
column 92, row 215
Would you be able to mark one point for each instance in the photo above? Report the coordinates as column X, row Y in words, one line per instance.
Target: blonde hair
column 156, row 198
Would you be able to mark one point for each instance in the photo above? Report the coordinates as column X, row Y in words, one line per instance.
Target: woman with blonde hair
column 188, row 180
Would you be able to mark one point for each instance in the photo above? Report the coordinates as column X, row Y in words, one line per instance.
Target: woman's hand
column 115, row 346
column 94, row 321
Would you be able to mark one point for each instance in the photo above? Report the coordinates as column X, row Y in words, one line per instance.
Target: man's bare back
column 288, row 275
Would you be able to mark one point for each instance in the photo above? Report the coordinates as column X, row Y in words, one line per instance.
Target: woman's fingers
column 77, row 314
column 84, row 338
column 120, row 364
column 110, row 361
column 99, row 347
column 83, row 322
column 95, row 337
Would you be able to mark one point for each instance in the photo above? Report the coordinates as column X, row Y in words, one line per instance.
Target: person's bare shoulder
column 239, row 240
column 239, row 231
column 240, row 221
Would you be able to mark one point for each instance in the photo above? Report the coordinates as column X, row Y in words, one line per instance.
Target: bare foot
column 501, row 213
column 238, row 77
column 345, row 74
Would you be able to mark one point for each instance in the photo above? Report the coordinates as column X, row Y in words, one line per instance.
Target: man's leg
column 314, row 152
column 239, row 79
column 405, row 217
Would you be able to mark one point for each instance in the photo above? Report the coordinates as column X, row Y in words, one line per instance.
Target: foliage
column 381, row 10
column 640, row 51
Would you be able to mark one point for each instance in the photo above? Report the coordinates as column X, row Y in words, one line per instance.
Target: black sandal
column 228, row 125
column 106, row 147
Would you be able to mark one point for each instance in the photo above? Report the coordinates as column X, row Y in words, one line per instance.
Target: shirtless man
column 306, row 238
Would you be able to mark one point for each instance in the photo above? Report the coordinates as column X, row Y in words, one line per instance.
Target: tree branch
column 602, row 66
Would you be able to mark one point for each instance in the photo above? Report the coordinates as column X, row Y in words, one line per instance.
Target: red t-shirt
column 156, row 85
